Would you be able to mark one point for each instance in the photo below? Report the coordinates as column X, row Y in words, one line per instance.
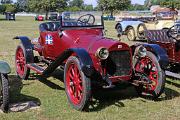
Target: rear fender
column 160, row 53
column 28, row 48
column 4, row 68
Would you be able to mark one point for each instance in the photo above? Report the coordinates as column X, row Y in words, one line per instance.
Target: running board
column 171, row 74
column 36, row 68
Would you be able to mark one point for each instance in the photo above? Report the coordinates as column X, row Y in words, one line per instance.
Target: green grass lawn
column 119, row 104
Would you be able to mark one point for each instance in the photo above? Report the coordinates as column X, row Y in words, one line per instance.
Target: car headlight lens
column 102, row 53
column 141, row 51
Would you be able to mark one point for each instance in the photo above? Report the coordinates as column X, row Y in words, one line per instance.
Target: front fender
column 158, row 51
column 86, row 61
column 82, row 54
column 4, row 68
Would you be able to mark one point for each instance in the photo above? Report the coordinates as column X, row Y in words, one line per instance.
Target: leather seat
column 158, row 36
column 49, row 26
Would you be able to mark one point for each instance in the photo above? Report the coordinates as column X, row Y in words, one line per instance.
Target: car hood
column 93, row 42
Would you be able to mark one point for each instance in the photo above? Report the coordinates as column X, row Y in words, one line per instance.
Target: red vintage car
column 169, row 40
column 77, row 44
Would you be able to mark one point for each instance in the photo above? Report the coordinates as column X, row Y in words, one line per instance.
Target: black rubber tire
column 119, row 29
column 141, row 37
column 27, row 70
column 133, row 38
column 4, row 86
column 84, row 104
column 161, row 80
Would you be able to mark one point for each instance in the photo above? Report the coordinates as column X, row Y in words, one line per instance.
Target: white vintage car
column 134, row 27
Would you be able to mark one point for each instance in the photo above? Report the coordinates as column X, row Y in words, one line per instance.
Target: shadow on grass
column 16, row 96
column 169, row 95
column 173, row 83
column 103, row 98
column 58, row 74
column 107, row 97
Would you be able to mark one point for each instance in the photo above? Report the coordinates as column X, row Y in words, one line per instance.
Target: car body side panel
column 133, row 24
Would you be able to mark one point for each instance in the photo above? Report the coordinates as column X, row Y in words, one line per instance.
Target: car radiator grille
column 118, row 63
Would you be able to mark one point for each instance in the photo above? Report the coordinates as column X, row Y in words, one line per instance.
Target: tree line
column 109, row 6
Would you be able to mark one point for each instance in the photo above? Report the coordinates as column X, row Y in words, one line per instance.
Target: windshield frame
column 82, row 27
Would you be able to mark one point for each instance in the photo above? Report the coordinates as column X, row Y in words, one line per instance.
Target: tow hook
column 109, row 82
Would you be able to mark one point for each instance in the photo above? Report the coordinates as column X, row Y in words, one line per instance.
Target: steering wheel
column 174, row 32
column 87, row 19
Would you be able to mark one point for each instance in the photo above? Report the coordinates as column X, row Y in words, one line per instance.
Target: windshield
column 82, row 19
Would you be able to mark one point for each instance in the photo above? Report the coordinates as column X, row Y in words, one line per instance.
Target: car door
column 49, row 40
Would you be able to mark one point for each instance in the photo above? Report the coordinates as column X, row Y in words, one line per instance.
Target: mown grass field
column 119, row 104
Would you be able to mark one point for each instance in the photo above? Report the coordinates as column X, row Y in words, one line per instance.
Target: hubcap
column 20, row 62
column 147, row 66
column 74, row 84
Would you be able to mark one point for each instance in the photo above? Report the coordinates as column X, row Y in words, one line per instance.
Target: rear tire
column 141, row 31
column 77, row 85
column 131, row 34
column 20, row 62
column 155, row 74
column 4, row 86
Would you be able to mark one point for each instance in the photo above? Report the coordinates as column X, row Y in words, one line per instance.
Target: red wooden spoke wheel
column 20, row 62
column 149, row 67
column 77, row 85
column 74, row 84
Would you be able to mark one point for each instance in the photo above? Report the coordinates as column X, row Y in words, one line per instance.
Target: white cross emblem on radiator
column 49, row 40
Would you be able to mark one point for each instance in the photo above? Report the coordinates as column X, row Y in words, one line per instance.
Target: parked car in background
column 109, row 17
column 39, row 18
column 53, row 16
column 77, row 45
column 10, row 16
column 134, row 27
column 4, row 86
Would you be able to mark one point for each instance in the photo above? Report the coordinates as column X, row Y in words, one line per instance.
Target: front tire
column 77, row 85
column 4, row 98
column 149, row 66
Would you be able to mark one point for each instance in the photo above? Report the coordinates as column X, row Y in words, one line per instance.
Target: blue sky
column 94, row 3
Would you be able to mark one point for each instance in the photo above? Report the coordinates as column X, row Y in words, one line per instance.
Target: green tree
column 47, row 5
column 88, row 7
column 147, row 3
column 10, row 8
column 6, row 1
column 2, row 8
column 112, row 5
column 21, row 5
column 166, row 3
column 77, row 3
